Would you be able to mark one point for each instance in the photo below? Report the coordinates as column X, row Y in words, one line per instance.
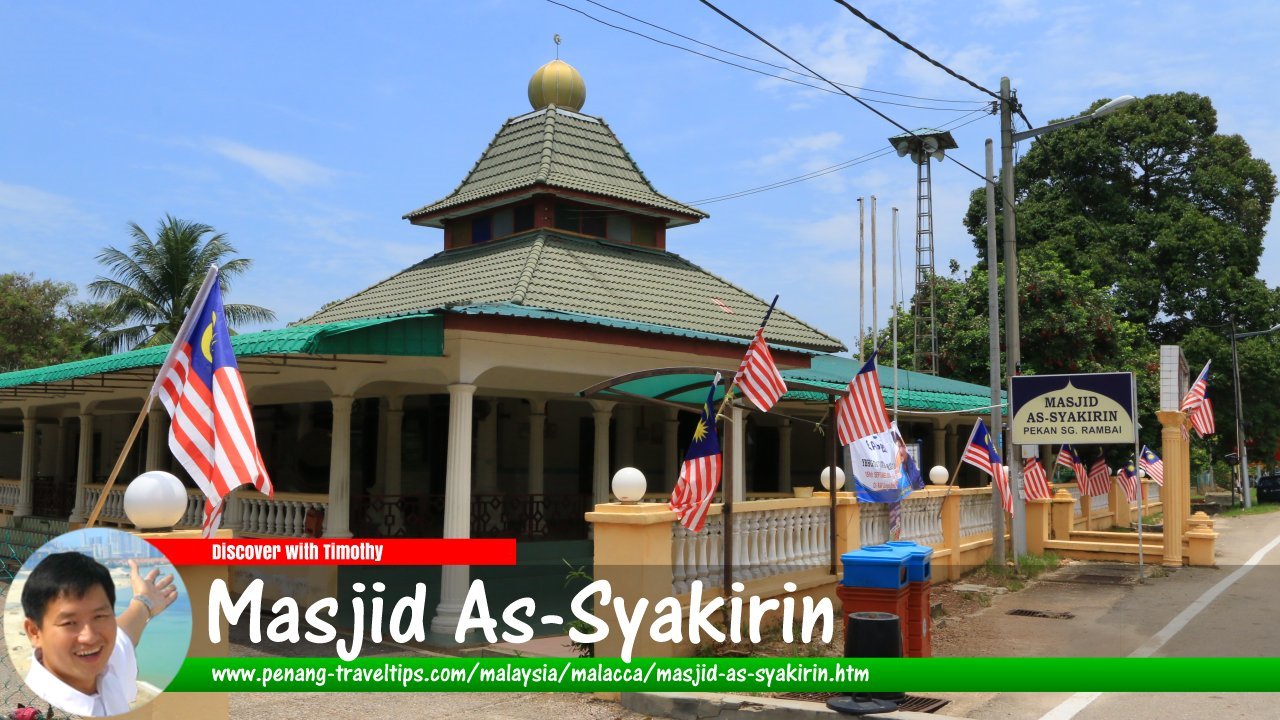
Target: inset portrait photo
column 97, row 622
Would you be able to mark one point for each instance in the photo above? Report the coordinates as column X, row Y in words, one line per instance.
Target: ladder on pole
column 925, row 356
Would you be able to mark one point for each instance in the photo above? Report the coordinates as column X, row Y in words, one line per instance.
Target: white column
column 939, row 447
column 738, row 427
column 84, row 467
column 156, row 439
column 392, row 443
column 626, row 436
column 784, row 456
column 600, row 468
column 537, row 445
column 487, row 451
column 337, row 517
column 671, row 453
column 29, row 461
column 60, row 460
column 457, row 507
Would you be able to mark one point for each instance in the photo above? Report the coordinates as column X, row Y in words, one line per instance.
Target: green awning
column 414, row 335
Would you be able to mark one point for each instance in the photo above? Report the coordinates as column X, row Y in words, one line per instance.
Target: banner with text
column 1084, row 409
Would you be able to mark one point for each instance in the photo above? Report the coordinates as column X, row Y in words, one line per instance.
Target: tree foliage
column 1154, row 204
column 152, row 286
column 42, row 324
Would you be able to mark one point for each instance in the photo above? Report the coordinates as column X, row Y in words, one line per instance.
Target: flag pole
column 954, row 473
column 202, row 294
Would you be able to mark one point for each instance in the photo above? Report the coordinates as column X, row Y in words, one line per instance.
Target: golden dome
column 557, row 83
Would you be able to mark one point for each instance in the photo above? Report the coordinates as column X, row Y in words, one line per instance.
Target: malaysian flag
column 758, row 376
column 1202, row 416
column 1035, row 480
column 1099, row 480
column 700, row 473
column 1128, row 477
column 1152, row 465
column 1068, row 458
column 861, row 412
column 211, row 433
column 981, row 453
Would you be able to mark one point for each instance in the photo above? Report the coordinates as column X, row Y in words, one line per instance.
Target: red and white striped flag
column 861, row 412
column 1152, row 465
column 1198, row 406
column 1099, row 480
column 1035, row 480
column 1128, row 478
column 1202, row 417
column 700, row 472
column 758, row 376
column 211, row 433
column 980, row 452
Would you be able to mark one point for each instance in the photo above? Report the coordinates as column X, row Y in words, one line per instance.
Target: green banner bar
column 525, row 674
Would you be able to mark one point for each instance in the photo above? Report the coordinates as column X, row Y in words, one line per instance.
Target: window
column 481, row 229
column 523, row 218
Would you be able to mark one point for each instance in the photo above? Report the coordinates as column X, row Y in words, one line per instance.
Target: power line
column 837, row 91
column 914, row 49
column 773, row 65
column 867, row 157
column 844, row 92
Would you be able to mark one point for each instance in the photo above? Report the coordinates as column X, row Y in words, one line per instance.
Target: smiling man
column 84, row 661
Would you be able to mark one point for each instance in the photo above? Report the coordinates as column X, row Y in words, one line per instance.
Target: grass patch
column 1257, row 509
column 1029, row 567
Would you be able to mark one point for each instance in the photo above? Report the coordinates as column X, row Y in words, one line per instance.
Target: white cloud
column 288, row 171
column 789, row 149
column 33, row 220
column 842, row 51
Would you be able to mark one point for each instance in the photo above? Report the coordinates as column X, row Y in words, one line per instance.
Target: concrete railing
column 9, row 492
column 283, row 515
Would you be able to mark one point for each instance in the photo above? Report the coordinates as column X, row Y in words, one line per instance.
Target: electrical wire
column 844, row 92
column 772, row 65
column 838, row 91
column 866, row 157
column 914, row 49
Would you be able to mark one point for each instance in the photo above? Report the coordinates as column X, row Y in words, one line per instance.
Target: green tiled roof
column 555, row 148
column 547, row 270
column 916, row 391
column 417, row 335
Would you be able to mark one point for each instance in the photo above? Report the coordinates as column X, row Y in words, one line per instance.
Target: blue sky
column 305, row 130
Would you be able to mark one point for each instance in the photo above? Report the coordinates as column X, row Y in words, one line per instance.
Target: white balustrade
column 766, row 543
column 112, row 509
column 9, row 491
column 1100, row 502
column 874, row 523
column 975, row 514
column 283, row 516
column 1075, row 494
column 922, row 519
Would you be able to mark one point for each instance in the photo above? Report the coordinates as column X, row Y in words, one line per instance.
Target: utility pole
column 993, row 308
column 1013, row 350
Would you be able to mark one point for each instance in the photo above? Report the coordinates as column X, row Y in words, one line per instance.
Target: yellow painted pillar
column 1037, row 525
column 1121, row 512
column 951, row 536
column 633, row 545
column 848, row 522
column 1200, row 540
column 1177, row 482
column 1063, row 511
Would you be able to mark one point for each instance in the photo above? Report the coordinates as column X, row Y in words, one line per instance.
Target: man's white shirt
column 117, row 685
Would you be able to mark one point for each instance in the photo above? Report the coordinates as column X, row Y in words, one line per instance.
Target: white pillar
column 156, row 439
column 487, row 451
column 784, row 456
column 600, row 468
column 457, row 507
column 739, row 450
column 337, row 517
column 626, row 436
column 671, row 453
column 84, row 467
column 392, row 443
column 29, row 461
column 60, row 460
column 537, row 445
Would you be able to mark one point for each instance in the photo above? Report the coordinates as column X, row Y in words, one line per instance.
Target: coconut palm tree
column 152, row 285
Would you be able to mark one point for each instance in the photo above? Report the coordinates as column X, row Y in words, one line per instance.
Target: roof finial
column 557, row 83
column 557, row 39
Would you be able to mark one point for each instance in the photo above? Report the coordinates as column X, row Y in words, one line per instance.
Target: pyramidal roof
column 554, row 148
column 655, row 291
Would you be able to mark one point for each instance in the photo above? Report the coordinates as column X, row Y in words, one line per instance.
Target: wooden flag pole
column 955, row 473
column 115, row 471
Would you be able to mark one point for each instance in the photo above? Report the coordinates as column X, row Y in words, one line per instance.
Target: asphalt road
column 1117, row 621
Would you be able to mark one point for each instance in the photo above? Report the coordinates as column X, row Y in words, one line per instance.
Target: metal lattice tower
column 924, row 146
column 925, row 357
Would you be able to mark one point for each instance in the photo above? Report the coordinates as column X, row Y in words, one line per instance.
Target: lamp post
column 1240, row 439
column 1013, row 350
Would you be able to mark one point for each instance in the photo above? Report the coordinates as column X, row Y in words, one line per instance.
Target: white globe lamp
column 825, row 478
column 938, row 475
column 155, row 500
column 629, row 485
